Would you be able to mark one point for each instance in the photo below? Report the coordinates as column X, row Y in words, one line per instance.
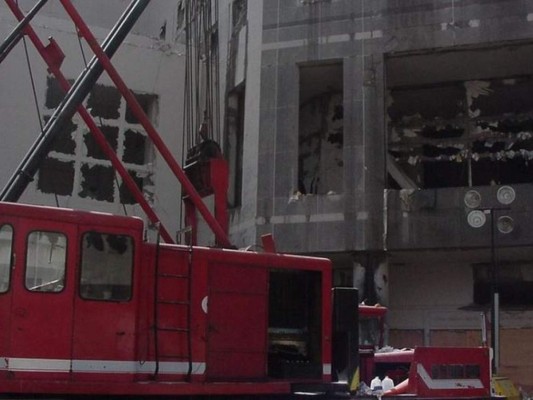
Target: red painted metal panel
column 113, row 340
column 237, row 322
column 103, row 329
column 41, row 324
column 450, row 372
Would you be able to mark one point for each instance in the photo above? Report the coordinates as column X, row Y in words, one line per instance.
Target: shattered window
column 106, row 266
column 321, row 129
column 77, row 167
column 468, row 133
column 238, row 12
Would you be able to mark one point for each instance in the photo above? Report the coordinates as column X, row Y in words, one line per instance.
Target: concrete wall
column 424, row 234
column 146, row 62
column 298, row 34
column 361, row 35
column 246, row 71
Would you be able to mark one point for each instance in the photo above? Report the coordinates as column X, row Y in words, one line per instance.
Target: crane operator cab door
column 42, row 289
column 104, row 321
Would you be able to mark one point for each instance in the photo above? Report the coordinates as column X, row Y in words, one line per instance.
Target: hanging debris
column 471, row 133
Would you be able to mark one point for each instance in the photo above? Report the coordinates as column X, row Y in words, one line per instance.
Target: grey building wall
column 301, row 33
column 415, row 244
column 149, row 62
column 361, row 35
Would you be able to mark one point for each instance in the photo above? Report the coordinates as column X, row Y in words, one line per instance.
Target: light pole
column 476, row 219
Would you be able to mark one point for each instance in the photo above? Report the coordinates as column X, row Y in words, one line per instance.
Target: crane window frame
column 6, row 256
column 46, row 261
column 106, row 266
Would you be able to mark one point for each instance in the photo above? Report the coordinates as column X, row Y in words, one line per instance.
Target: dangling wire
column 202, row 93
column 33, row 85
column 81, row 48
column 36, row 101
column 117, row 183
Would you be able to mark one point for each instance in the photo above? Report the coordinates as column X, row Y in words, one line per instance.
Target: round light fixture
column 476, row 218
column 506, row 195
column 505, row 224
column 472, row 199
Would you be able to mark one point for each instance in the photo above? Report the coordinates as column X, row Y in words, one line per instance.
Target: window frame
column 65, row 263
column 131, row 285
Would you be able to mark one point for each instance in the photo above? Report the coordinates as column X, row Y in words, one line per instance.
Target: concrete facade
column 392, row 227
column 148, row 62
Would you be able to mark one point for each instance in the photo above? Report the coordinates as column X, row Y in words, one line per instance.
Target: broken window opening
column 180, row 17
column 106, row 267
column 97, row 182
column 238, row 13
column 514, row 281
column 148, row 103
column 93, row 149
column 134, row 147
column 54, row 92
column 64, row 142
column 78, row 167
column 321, row 129
column 234, row 144
column 469, row 133
column 56, row 177
column 104, row 102
column 125, row 194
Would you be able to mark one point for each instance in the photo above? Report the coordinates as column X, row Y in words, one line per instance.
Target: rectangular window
column 46, row 257
column 321, row 129
column 6, row 248
column 84, row 170
column 238, row 12
column 470, row 133
column 456, row 120
column 106, row 267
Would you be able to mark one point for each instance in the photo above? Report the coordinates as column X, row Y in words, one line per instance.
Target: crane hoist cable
column 201, row 103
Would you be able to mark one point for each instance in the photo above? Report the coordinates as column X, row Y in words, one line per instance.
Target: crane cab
column 88, row 307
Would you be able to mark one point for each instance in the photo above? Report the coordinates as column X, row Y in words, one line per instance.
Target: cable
column 81, row 48
column 33, row 84
column 36, row 101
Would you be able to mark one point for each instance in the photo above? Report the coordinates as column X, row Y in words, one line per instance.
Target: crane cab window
column 106, row 266
column 6, row 245
column 46, row 256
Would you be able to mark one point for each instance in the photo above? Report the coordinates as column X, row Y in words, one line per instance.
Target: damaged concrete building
column 371, row 130
column 393, row 136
